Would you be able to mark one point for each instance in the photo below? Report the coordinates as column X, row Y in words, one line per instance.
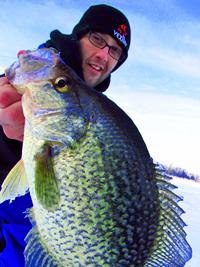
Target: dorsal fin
column 170, row 247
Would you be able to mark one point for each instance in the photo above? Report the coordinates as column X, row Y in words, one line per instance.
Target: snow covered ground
column 191, row 205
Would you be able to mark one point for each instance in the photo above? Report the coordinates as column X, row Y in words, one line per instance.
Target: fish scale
column 98, row 198
column 109, row 212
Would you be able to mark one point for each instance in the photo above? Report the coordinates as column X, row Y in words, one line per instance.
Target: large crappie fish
column 98, row 199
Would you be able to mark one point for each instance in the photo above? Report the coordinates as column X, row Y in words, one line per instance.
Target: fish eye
column 62, row 84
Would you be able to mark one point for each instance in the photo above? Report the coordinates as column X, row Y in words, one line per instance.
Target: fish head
column 51, row 95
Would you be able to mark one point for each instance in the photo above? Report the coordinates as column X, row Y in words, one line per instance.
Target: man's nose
column 102, row 53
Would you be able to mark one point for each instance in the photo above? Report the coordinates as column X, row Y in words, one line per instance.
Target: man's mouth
column 96, row 67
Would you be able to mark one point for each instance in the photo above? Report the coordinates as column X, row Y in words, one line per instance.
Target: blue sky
column 159, row 84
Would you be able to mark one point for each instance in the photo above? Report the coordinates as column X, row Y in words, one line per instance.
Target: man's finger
column 14, row 132
column 8, row 95
column 12, row 114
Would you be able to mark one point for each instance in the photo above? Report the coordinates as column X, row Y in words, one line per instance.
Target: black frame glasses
column 99, row 42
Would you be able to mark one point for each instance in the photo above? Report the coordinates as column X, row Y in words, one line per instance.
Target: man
column 97, row 46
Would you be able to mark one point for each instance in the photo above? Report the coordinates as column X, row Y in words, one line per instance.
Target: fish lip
column 34, row 111
column 37, row 112
column 11, row 71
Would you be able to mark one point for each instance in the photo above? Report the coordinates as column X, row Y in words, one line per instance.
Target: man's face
column 96, row 62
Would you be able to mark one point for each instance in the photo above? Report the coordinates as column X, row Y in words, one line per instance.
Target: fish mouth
column 10, row 71
column 37, row 112
column 34, row 114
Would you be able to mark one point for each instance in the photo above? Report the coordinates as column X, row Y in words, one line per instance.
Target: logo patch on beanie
column 120, row 33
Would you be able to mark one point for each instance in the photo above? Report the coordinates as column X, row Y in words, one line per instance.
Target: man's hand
column 11, row 114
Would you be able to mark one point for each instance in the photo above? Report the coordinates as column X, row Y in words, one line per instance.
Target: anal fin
column 36, row 252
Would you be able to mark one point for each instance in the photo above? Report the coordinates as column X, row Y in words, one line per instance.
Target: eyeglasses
column 99, row 42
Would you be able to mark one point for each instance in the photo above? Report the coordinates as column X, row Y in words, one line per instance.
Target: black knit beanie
column 106, row 19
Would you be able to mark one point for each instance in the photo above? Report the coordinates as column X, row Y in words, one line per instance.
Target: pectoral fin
column 46, row 186
column 15, row 184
